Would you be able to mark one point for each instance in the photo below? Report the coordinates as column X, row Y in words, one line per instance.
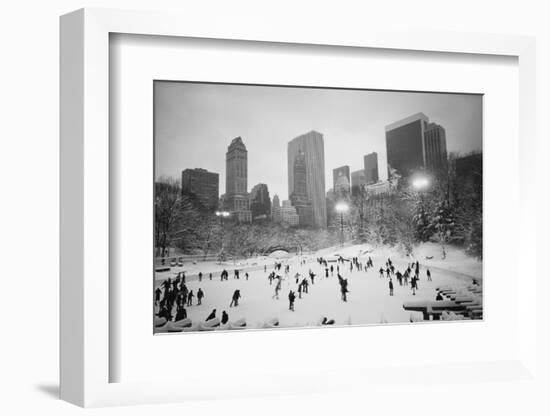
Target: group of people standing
column 175, row 293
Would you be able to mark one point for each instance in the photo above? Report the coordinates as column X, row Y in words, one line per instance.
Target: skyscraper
column 413, row 143
column 312, row 146
column 341, row 181
column 435, row 143
column 236, row 182
column 260, row 204
column 299, row 197
column 358, row 181
column 201, row 185
column 275, row 209
column 371, row 168
column 405, row 144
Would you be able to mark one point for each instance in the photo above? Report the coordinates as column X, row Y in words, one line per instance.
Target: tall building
column 289, row 215
column 339, row 172
column 276, row 209
column 435, row 143
column 341, row 181
column 413, row 144
column 299, row 197
column 358, row 181
column 260, row 204
column 371, row 167
column 236, row 182
column 312, row 146
column 203, row 186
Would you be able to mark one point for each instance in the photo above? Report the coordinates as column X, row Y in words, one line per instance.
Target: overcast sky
column 194, row 124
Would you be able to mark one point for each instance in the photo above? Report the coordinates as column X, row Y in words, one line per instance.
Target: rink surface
column 368, row 298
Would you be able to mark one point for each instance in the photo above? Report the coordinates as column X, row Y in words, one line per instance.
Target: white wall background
column 29, row 206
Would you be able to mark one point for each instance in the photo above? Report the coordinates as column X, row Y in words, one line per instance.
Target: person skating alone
column 235, row 298
column 190, row 297
column 391, row 287
column 212, row 315
column 200, row 295
column 291, row 298
column 277, row 289
column 429, row 275
column 225, row 317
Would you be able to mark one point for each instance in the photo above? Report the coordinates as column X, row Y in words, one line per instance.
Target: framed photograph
column 272, row 207
column 244, row 241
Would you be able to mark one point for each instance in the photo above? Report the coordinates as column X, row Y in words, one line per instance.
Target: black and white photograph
column 307, row 207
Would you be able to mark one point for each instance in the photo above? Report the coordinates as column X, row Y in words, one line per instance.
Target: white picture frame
column 85, row 354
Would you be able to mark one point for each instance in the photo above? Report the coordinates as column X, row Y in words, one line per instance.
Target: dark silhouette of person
column 429, row 275
column 200, row 276
column 235, row 298
column 200, row 295
column 181, row 313
column 157, row 295
column 439, row 296
column 391, row 287
column 190, row 298
column 212, row 315
column 225, row 317
column 291, row 298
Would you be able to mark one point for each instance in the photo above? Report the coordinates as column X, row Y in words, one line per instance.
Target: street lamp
column 342, row 208
column 221, row 215
column 420, row 182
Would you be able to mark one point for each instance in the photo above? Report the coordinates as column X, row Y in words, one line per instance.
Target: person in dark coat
column 429, row 275
column 200, row 276
column 235, row 298
column 291, row 298
column 225, row 317
column 181, row 313
column 190, row 297
column 200, row 295
column 157, row 295
column 439, row 296
column 391, row 287
column 212, row 315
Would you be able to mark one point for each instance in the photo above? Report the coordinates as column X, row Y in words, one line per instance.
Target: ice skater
column 200, row 295
column 212, row 315
column 391, row 287
column 291, row 298
column 235, row 298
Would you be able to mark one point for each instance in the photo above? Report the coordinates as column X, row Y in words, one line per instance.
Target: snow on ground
column 368, row 300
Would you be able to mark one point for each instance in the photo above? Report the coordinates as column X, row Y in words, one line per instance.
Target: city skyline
column 190, row 115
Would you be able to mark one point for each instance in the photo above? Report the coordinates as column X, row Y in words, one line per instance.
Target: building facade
column 299, row 197
column 203, row 186
column 405, row 144
column 414, row 144
column 435, row 143
column 358, row 182
column 370, row 164
column 276, row 209
column 260, row 203
column 341, row 181
column 312, row 146
column 236, row 182
column 289, row 215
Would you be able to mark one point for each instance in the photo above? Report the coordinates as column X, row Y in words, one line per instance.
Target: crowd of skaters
column 174, row 292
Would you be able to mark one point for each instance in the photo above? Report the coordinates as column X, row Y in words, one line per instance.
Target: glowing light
column 420, row 183
column 223, row 213
column 342, row 207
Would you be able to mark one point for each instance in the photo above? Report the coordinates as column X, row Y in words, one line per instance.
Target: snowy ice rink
column 368, row 298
